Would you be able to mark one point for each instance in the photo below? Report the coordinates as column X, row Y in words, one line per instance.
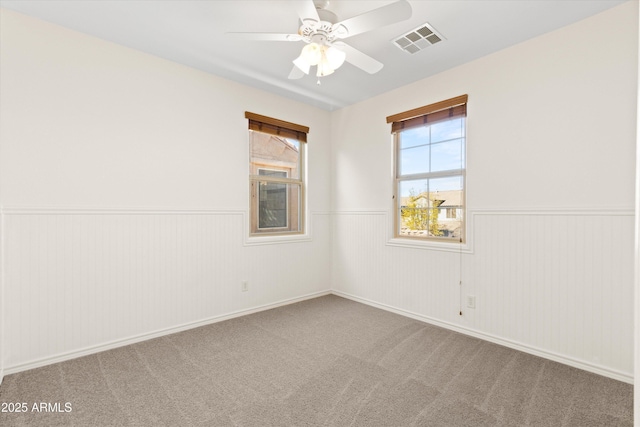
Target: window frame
column 285, row 130
column 427, row 116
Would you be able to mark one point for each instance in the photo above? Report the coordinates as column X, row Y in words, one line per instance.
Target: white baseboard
column 596, row 369
column 156, row 334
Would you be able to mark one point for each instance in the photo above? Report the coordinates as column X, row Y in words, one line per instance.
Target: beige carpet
column 323, row 362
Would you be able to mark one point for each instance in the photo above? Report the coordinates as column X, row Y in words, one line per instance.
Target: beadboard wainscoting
column 78, row 281
column 555, row 283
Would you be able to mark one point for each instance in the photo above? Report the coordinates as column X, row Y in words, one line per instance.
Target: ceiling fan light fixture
column 312, row 53
column 302, row 63
column 324, row 69
column 335, row 57
column 327, row 58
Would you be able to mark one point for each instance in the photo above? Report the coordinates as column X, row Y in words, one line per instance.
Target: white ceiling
column 194, row 33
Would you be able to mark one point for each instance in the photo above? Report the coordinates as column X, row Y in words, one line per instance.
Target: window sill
column 431, row 245
column 276, row 239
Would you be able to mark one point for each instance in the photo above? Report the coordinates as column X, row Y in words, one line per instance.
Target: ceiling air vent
column 418, row 39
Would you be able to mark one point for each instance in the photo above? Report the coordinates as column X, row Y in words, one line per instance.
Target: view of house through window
column 276, row 180
column 430, row 169
column 272, row 201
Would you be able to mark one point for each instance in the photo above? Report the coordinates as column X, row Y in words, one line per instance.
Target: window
column 430, row 170
column 272, row 202
column 276, row 175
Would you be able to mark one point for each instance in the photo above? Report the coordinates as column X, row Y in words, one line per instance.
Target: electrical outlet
column 471, row 301
column 244, row 287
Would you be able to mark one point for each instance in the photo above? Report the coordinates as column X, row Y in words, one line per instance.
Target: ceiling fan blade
column 359, row 59
column 266, row 37
column 376, row 18
column 296, row 73
column 306, row 10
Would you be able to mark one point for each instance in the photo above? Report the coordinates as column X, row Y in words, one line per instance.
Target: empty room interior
column 377, row 213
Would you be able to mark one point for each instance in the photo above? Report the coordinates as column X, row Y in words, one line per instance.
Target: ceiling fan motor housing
column 325, row 31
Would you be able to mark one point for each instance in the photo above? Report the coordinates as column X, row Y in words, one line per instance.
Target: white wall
column 124, row 193
column 551, row 159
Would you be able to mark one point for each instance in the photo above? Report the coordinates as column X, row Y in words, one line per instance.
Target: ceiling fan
column 323, row 35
